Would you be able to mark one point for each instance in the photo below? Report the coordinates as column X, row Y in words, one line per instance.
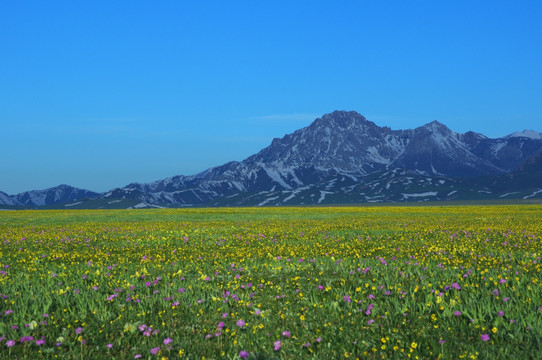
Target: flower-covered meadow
column 272, row 283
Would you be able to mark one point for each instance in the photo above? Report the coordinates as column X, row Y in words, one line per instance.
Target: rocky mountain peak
column 437, row 127
column 340, row 120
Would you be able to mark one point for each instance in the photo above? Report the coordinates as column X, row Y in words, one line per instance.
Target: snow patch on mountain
column 531, row 134
column 424, row 194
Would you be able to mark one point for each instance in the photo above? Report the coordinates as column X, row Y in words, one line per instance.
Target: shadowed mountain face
column 336, row 157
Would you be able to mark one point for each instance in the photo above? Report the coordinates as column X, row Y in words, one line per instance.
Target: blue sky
column 100, row 94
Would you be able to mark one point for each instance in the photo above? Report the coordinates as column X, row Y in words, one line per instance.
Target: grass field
column 272, row 283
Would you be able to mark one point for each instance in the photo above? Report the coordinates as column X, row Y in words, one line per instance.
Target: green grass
column 353, row 282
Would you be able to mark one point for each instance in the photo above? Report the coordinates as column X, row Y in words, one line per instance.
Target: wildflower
column 40, row 342
column 414, row 345
column 500, row 313
column 79, row 330
column 286, row 334
column 155, row 350
column 484, row 337
column 456, row 286
column 10, row 343
column 240, row 323
column 26, row 338
column 137, row 356
column 306, row 345
column 243, row 354
column 109, row 346
column 457, row 313
column 221, row 325
column 277, row 345
column 167, row 341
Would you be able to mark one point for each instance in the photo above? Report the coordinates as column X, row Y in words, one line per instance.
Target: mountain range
column 339, row 158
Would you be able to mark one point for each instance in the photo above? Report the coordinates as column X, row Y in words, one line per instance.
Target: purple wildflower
column 484, row 337
column 456, row 286
column 277, row 345
column 26, row 338
column 243, row 354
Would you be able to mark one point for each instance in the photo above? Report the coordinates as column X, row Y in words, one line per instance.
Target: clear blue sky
column 98, row 94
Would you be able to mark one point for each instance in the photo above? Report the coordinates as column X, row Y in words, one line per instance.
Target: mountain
column 56, row 195
column 344, row 156
column 340, row 158
column 5, row 199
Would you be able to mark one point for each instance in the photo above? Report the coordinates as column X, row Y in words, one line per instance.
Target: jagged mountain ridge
column 349, row 143
column 340, row 148
column 341, row 144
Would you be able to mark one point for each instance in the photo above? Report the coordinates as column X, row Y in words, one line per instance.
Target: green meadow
column 272, row 283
